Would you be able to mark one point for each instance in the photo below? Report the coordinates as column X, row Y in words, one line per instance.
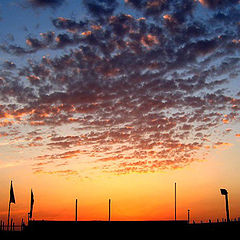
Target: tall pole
column 188, row 216
column 76, row 211
column 175, row 201
column 109, row 210
column 225, row 193
column 11, row 224
column 9, row 206
column 227, row 208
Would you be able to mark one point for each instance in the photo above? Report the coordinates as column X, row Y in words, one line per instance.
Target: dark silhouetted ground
column 126, row 229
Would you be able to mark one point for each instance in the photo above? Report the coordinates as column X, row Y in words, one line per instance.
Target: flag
column 31, row 205
column 12, row 198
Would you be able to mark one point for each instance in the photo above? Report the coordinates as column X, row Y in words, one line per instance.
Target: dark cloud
column 64, row 40
column 34, row 43
column 136, row 3
column 46, row 3
column 156, row 8
column 101, row 8
column 48, row 41
column 9, row 65
column 218, row 3
column 204, row 46
column 15, row 50
column 68, row 24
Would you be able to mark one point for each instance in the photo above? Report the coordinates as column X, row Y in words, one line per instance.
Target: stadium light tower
column 225, row 193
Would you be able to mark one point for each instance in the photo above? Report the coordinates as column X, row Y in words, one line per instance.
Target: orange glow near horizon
column 139, row 196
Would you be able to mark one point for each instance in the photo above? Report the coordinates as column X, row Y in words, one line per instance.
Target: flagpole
column 8, row 214
column 175, row 202
column 11, row 200
column 76, row 212
column 109, row 210
column 31, row 206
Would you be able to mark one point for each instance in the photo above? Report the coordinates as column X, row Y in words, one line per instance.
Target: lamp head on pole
column 223, row 191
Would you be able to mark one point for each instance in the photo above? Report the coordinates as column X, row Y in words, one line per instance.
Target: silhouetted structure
column 175, row 202
column 105, row 228
column 109, row 210
column 76, row 211
column 11, row 200
column 225, row 193
column 31, row 205
column 133, row 229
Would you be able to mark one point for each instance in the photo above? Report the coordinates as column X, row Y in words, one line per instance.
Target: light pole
column 188, row 211
column 76, row 211
column 175, row 213
column 109, row 210
column 225, row 193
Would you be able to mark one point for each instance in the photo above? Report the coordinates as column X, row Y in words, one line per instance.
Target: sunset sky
column 120, row 99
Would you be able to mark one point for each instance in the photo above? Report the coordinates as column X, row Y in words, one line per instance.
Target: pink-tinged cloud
column 130, row 94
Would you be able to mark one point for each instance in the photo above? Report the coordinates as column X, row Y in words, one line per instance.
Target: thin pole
column 9, row 206
column 227, row 208
column 188, row 216
column 22, row 224
column 11, row 224
column 175, row 201
column 109, row 210
column 76, row 211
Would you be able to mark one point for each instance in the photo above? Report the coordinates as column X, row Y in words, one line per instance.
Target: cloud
column 67, row 172
column 15, row 50
column 222, row 145
column 217, row 3
column 68, row 24
column 137, row 94
column 8, row 65
column 100, row 9
column 64, row 155
column 157, row 7
column 46, row 3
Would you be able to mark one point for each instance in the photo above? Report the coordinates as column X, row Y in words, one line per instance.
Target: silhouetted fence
column 223, row 220
column 12, row 227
